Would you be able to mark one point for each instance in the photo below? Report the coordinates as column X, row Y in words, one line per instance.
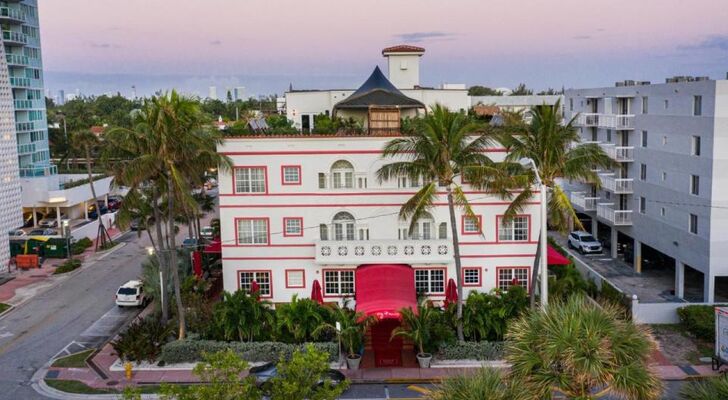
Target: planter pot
column 352, row 361
column 424, row 359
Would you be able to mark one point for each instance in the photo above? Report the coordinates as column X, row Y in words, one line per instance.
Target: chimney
column 403, row 63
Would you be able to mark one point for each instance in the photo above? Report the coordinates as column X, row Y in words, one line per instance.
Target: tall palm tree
column 86, row 142
column 558, row 154
column 440, row 149
column 582, row 350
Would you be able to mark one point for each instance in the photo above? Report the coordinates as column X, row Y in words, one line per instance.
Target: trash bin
column 17, row 247
column 55, row 248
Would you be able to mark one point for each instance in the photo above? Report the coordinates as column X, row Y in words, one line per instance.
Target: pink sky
column 468, row 41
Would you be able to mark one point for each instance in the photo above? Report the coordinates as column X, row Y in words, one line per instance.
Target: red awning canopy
column 214, row 247
column 384, row 289
column 555, row 258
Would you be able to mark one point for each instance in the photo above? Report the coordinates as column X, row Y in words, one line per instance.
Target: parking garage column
column 35, row 222
column 679, row 279
column 85, row 210
column 614, row 242
column 708, row 288
column 58, row 217
column 595, row 227
column 637, row 261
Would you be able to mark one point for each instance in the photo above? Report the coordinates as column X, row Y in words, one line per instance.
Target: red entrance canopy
column 384, row 289
column 555, row 258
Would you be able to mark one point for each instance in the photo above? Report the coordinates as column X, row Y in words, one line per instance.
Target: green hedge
column 67, row 266
column 81, row 245
column 181, row 351
column 482, row 351
column 698, row 320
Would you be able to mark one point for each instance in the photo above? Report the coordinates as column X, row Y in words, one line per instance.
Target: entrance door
column 305, row 123
column 386, row 353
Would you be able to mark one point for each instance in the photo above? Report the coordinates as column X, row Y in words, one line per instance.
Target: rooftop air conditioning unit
column 629, row 83
column 702, row 78
column 618, row 84
column 644, row 83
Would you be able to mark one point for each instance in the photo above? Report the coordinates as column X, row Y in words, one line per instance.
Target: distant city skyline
column 107, row 46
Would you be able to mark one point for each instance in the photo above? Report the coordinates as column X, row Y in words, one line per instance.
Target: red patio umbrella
column 451, row 293
column 553, row 257
column 316, row 292
column 254, row 288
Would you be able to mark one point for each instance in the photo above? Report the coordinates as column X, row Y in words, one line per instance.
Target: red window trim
column 462, row 225
column 528, row 275
column 304, row 279
column 498, row 219
column 323, row 282
column 444, row 282
column 285, row 233
column 480, row 277
column 265, row 174
column 270, row 276
column 237, row 241
column 283, row 176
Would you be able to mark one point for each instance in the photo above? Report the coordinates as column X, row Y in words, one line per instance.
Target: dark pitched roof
column 403, row 48
column 378, row 91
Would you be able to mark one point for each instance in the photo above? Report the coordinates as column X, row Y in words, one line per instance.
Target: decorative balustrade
column 383, row 251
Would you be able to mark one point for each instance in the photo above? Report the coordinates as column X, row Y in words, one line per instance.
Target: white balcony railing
column 616, row 121
column 615, row 217
column 617, row 185
column 383, row 251
column 584, row 202
column 619, row 153
column 588, row 119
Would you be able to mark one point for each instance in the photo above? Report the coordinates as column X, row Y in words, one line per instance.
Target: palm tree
column 441, row 147
column 558, row 154
column 299, row 318
column 86, row 142
column 417, row 325
column 242, row 317
column 485, row 383
column 581, row 350
column 353, row 326
column 709, row 389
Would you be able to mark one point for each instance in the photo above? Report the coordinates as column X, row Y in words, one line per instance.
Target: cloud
column 581, row 37
column 104, row 45
column 216, row 42
column 713, row 42
column 416, row 37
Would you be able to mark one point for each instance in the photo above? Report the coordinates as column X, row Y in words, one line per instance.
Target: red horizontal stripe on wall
column 313, row 194
column 499, row 203
column 498, row 255
column 320, row 152
column 267, row 258
column 271, row 245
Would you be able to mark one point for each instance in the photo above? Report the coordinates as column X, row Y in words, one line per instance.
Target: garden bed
column 186, row 351
column 77, row 360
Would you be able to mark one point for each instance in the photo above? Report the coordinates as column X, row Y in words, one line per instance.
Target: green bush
column 486, row 315
column 81, row 245
column 698, row 320
column 708, row 389
column 181, row 351
column 67, row 266
column 482, row 351
column 143, row 340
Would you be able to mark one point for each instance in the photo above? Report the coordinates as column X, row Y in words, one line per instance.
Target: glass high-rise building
column 21, row 37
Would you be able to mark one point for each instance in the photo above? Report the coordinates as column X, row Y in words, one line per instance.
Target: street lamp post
column 543, row 243
column 67, row 234
column 150, row 251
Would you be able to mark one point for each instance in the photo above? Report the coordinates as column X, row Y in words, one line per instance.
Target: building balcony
column 12, row 16
column 32, row 172
column 24, row 126
column 383, row 251
column 15, row 38
column 616, row 121
column 17, row 60
column 26, row 148
column 619, row 153
column 607, row 212
column 23, row 104
column 19, row 82
column 617, row 185
column 584, row 202
column 588, row 119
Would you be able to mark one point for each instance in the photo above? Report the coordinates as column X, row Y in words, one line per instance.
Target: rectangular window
column 695, row 147
column 667, row 104
column 571, row 104
column 644, row 138
column 643, row 205
column 643, row 172
column 664, row 140
column 322, row 180
column 662, row 211
column 609, row 135
column 291, row 175
column 252, row 231
column 338, row 282
column 697, row 105
column 693, row 224
column 515, row 230
column 250, row 180
column 645, row 103
column 471, row 276
column 694, row 185
column 262, row 278
column 472, row 225
column 293, row 226
column 664, row 176
column 430, row 281
column 295, row 278
column 508, row 277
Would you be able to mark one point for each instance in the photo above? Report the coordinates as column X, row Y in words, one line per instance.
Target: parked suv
column 584, row 242
column 131, row 294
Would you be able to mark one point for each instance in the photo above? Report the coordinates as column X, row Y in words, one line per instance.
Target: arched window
column 342, row 175
column 343, row 224
column 442, row 234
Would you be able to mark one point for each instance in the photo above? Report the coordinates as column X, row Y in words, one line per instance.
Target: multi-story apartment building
column 666, row 196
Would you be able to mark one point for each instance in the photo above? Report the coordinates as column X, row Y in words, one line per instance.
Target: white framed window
column 513, row 276
column 293, row 226
column 643, row 172
column 471, row 276
column 471, row 224
column 644, row 139
column 695, row 185
column 262, row 278
column 252, row 231
column 442, row 230
column 342, row 175
column 664, row 176
column 695, row 146
column 250, row 180
column 693, row 224
column 343, row 225
column 515, row 230
column 338, row 282
column 430, row 281
column 295, row 278
column 662, row 211
column 697, row 105
column 291, row 174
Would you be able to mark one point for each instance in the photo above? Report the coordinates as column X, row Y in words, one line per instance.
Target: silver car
column 584, row 242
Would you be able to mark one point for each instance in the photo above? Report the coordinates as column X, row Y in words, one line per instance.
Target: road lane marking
column 419, row 389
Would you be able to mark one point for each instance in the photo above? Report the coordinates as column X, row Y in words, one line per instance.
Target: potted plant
column 416, row 326
column 352, row 327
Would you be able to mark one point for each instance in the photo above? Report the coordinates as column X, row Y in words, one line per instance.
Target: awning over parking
column 384, row 289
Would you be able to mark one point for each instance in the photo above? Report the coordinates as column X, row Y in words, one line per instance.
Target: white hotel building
column 303, row 208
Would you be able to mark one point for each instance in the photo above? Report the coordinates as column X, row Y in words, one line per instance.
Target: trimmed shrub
column 698, row 320
column 181, row 351
column 67, row 266
column 81, row 245
column 143, row 340
column 482, row 351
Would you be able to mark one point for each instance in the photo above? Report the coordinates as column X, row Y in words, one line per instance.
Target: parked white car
column 131, row 294
column 584, row 242
column 50, row 221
